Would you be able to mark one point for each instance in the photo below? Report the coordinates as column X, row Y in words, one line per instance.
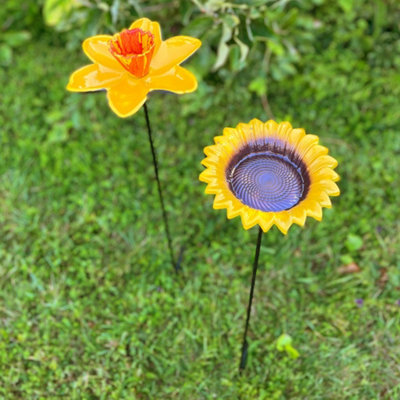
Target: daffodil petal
column 97, row 48
column 127, row 97
column 177, row 80
column 92, row 77
column 172, row 52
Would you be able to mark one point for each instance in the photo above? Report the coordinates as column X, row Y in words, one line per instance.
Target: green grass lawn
column 89, row 305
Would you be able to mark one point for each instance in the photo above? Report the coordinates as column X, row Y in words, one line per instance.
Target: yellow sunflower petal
column 256, row 126
column 92, row 77
column 220, row 202
column 219, row 140
column 244, row 130
column 283, row 221
column 314, row 210
column 314, row 152
column 323, row 162
column 233, row 211
column 214, row 186
column 172, row 52
column 295, row 136
column 127, row 97
column 324, row 174
column 210, row 161
column 229, row 131
column 211, row 190
column 207, row 175
column 306, row 143
column 272, row 127
column 97, row 48
column 298, row 214
column 325, row 200
column 250, row 217
column 329, row 187
column 266, row 220
column 284, row 130
column 210, row 150
column 177, row 80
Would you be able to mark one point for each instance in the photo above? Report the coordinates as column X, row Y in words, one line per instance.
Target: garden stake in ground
column 128, row 66
column 269, row 174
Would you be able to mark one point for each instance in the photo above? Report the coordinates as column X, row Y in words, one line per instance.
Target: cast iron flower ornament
column 131, row 64
column 269, row 174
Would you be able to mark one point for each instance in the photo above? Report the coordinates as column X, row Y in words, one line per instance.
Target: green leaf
column 230, row 20
column 380, row 17
column 14, row 39
column 346, row 259
column 292, row 352
column 223, row 48
column 244, row 49
column 234, row 57
column 347, row 5
column 55, row 10
column 5, row 55
column 276, row 47
column 222, row 55
column 198, row 26
column 226, row 32
column 353, row 242
column 114, row 11
column 260, row 31
column 203, row 62
column 258, row 86
column 284, row 343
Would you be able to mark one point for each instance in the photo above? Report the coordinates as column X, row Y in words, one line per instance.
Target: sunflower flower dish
column 268, row 174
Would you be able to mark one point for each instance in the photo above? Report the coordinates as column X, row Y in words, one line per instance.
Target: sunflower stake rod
column 269, row 174
column 245, row 345
column 176, row 266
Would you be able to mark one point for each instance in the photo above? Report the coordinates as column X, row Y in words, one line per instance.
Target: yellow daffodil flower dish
column 269, row 173
column 134, row 62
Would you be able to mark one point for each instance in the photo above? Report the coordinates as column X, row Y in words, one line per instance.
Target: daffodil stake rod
column 268, row 174
column 129, row 65
column 160, row 194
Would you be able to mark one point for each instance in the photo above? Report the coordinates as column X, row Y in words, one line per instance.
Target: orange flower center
column 133, row 48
